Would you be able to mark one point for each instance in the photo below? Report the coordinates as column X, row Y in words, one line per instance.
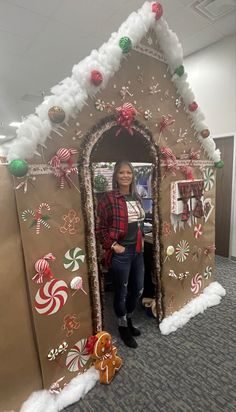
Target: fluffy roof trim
column 72, row 93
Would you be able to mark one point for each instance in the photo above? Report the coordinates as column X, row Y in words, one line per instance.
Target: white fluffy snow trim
column 211, row 296
column 42, row 401
column 72, row 93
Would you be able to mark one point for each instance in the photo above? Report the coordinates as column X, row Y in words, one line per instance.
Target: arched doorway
column 116, row 144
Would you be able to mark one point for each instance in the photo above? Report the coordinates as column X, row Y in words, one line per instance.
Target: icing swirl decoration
column 78, row 356
column 196, row 283
column 73, row 259
column 208, row 272
column 51, row 297
column 209, row 178
column 182, row 251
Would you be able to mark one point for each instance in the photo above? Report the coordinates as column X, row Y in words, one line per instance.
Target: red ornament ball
column 193, row 107
column 158, row 9
column 96, row 77
column 205, row 133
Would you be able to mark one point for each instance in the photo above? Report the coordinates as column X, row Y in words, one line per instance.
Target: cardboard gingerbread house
column 128, row 100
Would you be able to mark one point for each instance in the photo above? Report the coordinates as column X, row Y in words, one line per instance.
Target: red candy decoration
column 193, row 107
column 158, row 9
column 205, row 133
column 96, row 77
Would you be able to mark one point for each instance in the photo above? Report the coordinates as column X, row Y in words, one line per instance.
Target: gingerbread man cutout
column 105, row 356
column 70, row 223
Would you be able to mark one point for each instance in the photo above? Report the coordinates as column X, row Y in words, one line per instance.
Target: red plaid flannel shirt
column 112, row 222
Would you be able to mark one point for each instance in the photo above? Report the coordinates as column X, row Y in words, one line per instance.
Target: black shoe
column 134, row 331
column 126, row 336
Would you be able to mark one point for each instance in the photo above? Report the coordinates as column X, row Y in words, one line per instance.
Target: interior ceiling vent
column 32, row 98
column 214, row 9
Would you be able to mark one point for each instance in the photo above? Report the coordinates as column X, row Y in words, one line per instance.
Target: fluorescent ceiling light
column 2, row 136
column 15, row 124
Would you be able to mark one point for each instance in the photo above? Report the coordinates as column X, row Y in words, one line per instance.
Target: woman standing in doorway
column 119, row 228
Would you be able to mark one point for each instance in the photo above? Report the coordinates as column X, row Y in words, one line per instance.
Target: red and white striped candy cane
column 38, row 217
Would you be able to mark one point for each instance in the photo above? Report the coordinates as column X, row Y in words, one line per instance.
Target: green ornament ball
column 125, row 44
column 219, row 165
column 18, row 167
column 179, row 70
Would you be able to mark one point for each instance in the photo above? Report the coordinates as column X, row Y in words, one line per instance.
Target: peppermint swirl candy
column 73, row 259
column 208, row 272
column 209, row 178
column 182, row 251
column 196, row 283
column 78, row 356
column 51, row 297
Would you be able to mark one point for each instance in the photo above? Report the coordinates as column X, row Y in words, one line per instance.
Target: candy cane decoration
column 165, row 122
column 39, row 219
column 43, row 269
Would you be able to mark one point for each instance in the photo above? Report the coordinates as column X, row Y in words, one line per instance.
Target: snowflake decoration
column 78, row 134
column 182, row 136
column 140, row 78
column 167, row 94
column 147, row 114
column 182, row 251
column 154, row 89
column 124, row 91
column 150, row 41
column 100, row 105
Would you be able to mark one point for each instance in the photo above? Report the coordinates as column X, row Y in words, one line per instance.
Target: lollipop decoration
column 78, row 356
column 51, row 297
column 73, row 259
column 77, row 284
column 196, row 283
column 43, row 269
column 38, row 218
column 169, row 252
column 62, row 165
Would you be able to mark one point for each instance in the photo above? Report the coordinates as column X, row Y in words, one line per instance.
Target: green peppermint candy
column 73, row 259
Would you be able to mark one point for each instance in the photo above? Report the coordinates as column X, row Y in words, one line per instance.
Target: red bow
column 125, row 118
column 90, row 343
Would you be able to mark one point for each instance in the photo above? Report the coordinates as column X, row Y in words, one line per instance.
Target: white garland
column 211, row 296
column 72, row 93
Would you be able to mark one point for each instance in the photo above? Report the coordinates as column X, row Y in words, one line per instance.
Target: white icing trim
column 211, row 296
column 72, row 93
column 42, row 401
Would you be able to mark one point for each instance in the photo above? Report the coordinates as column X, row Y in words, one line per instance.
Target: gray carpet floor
column 190, row 370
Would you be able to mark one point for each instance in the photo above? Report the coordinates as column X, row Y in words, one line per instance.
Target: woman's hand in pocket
column 118, row 248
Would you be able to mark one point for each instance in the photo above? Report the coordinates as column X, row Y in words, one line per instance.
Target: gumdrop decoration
column 18, row 167
column 96, row 77
column 125, row 44
column 56, row 114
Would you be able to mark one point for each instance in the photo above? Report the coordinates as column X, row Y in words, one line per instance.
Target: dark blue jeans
column 128, row 276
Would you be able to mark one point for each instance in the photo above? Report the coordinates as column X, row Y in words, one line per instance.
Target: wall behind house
column 212, row 77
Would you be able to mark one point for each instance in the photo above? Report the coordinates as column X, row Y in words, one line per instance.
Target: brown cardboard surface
column 20, row 372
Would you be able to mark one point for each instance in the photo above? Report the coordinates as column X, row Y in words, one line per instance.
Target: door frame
column 232, row 236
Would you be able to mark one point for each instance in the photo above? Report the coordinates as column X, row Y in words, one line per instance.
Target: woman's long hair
column 133, row 189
